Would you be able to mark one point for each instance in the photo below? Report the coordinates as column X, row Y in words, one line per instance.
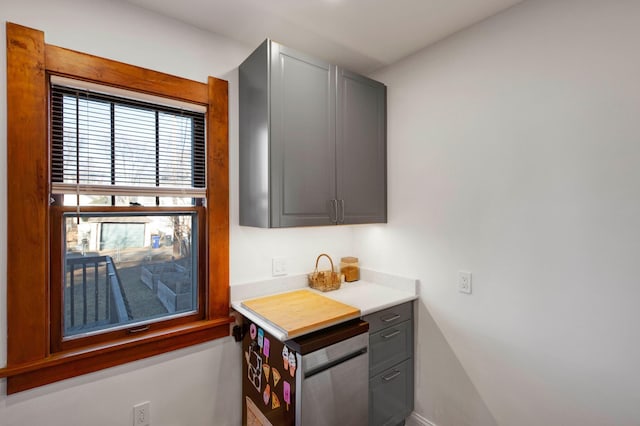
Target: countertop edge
column 278, row 332
column 396, row 302
column 275, row 331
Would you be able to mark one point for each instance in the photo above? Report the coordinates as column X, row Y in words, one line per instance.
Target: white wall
column 194, row 386
column 514, row 153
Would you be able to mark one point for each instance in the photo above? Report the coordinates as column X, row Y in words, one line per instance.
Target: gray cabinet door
column 361, row 149
column 390, row 395
column 302, row 110
column 390, row 346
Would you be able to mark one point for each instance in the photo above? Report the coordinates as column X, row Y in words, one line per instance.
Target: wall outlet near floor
column 142, row 414
column 464, row 282
column 279, row 266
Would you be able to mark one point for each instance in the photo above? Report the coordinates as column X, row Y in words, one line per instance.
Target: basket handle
column 318, row 260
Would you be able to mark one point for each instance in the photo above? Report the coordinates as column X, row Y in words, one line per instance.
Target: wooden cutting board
column 301, row 311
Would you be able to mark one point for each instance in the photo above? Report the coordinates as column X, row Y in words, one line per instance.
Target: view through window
column 123, row 269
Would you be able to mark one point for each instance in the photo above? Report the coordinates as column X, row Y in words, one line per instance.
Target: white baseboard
column 416, row 419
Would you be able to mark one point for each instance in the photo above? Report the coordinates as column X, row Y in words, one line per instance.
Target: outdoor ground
column 142, row 302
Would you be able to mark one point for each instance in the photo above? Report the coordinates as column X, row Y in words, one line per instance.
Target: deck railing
column 95, row 298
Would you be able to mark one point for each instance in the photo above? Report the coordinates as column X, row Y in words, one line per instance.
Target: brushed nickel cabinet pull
column 390, row 335
column 334, row 208
column 393, row 317
column 391, row 376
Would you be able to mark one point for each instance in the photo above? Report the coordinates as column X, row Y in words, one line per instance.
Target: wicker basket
column 324, row 280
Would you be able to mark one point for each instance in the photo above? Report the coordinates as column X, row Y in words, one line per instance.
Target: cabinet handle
column 393, row 317
column 341, row 220
column 390, row 335
column 334, row 208
column 391, row 376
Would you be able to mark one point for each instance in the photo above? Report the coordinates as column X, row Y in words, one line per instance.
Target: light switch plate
column 464, row 282
column 279, row 266
column 141, row 414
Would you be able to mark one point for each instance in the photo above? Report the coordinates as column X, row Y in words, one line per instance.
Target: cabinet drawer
column 391, row 395
column 389, row 347
column 388, row 317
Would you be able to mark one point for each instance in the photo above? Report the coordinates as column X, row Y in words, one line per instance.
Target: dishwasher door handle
column 334, row 362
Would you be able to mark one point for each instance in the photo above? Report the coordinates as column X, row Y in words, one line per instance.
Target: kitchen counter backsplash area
column 275, row 285
column 282, row 284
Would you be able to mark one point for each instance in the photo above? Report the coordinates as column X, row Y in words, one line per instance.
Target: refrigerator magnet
column 266, row 395
column 286, row 393
column 266, row 346
column 260, row 338
column 292, row 363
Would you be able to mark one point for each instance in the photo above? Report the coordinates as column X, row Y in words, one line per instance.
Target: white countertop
column 374, row 292
column 369, row 297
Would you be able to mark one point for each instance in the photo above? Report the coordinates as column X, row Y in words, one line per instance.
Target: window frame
column 32, row 359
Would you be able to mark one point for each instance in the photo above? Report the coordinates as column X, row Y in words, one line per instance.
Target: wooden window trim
column 58, row 343
column 30, row 360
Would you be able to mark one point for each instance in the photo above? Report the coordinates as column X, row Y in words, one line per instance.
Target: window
column 118, row 212
column 120, row 267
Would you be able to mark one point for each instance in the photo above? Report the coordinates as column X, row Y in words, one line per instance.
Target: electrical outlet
column 464, row 282
column 279, row 266
column 142, row 414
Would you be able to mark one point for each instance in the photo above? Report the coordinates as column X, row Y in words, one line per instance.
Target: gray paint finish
column 390, row 393
column 361, row 149
column 390, row 346
column 391, row 383
column 312, row 142
column 254, row 138
column 302, row 138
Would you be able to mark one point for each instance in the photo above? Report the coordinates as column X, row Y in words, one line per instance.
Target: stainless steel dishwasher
column 318, row 379
column 333, row 386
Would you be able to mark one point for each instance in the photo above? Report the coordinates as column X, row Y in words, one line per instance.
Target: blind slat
column 166, row 191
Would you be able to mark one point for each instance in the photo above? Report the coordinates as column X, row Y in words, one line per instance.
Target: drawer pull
column 390, row 335
column 391, row 376
column 393, row 317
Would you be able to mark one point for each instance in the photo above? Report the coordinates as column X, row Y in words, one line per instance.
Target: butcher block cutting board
column 301, row 311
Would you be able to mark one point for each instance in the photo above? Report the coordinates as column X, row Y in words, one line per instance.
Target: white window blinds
column 106, row 144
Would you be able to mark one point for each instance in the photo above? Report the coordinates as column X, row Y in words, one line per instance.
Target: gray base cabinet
column 312, row 142
column 390, row 365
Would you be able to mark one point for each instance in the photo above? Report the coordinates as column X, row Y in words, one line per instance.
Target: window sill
column 67, row 364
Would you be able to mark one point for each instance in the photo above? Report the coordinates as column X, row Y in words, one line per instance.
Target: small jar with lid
column 350, row 269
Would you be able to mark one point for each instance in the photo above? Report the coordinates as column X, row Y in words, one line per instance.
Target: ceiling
column 362, row 35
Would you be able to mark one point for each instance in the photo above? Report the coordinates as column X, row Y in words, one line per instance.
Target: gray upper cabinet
column 312, row 142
